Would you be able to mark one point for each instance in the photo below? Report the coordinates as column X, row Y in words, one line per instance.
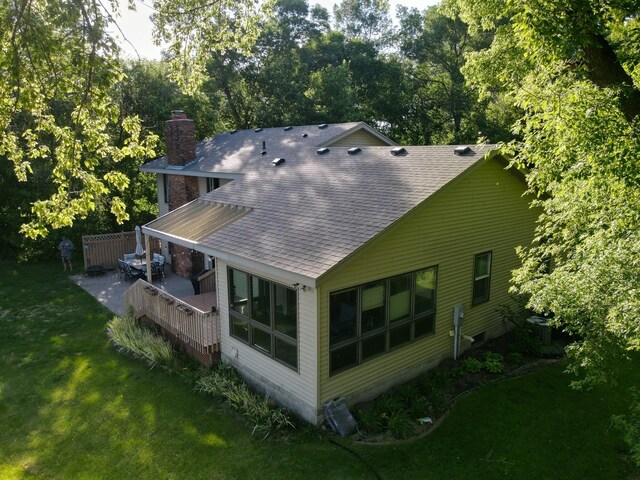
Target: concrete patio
column 109, row 288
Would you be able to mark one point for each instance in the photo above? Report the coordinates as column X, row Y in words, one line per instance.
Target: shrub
column 370, row 420
column 260, row 410
column 515, row 357
column 388, row 404
column 472, row 365
column 493, row 362
column 435, row 380
column 128, row 336
column 630, row 426
column 525, row 342
column 420, row 407
column 407, row 394
column 441, row 378
column 401, row 425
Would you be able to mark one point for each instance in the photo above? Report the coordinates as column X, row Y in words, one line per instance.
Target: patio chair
column 131, row 273
column 160, row 260
column 122, row 269
column 156, row 270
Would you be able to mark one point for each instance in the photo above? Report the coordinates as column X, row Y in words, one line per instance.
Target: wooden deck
column 202, row 302
column 188, row 320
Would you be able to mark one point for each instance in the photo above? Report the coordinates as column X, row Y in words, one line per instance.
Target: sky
column 137, row 27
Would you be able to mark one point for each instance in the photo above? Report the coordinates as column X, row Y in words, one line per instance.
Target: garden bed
column 417, row 407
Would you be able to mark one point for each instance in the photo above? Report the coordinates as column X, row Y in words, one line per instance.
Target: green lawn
column 73, row 408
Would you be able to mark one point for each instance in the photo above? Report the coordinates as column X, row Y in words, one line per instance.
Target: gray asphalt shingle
column 313, row 211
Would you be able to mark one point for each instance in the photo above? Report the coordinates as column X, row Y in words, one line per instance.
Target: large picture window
column 264, row 315
column 377, row 317
column 481, row 277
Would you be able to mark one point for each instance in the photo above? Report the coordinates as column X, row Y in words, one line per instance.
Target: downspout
column 458, row 317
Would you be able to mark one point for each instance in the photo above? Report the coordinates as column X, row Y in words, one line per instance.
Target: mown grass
column 72, row 407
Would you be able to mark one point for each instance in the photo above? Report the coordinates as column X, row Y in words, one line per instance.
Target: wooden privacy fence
column 198, row 331
column 106, row 248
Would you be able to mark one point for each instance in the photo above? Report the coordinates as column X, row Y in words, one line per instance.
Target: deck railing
column 197, row 330
column 207, row 281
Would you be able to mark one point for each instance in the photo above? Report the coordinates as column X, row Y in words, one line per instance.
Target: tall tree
column 572, row 67
column 436, row 45
column 193, row 29
column 57, row 114
column 366, row 20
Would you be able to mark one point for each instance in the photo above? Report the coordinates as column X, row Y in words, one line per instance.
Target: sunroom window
column 264, row 315
column 374, row 318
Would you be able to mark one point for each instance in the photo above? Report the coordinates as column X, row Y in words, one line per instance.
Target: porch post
column 147, row 249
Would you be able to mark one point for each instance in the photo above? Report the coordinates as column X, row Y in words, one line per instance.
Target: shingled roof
column 311, row 212
column 235, row 152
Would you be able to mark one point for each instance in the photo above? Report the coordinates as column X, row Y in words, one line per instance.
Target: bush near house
column 224, row 382
column 411, row 409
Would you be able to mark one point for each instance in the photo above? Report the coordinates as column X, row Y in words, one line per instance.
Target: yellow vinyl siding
column 359, row 138
column 483, row 210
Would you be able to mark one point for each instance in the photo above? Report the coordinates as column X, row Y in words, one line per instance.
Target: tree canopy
column 57, row 114
column 571, row 67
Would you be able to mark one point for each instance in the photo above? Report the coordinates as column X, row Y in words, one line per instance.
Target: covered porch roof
column 193, row 222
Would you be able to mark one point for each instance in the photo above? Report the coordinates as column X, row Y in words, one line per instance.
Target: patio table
column 139, row 263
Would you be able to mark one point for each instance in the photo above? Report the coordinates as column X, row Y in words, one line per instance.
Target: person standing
column 66, row 250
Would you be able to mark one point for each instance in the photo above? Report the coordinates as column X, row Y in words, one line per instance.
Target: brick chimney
column 181, row 138
column 181, row 149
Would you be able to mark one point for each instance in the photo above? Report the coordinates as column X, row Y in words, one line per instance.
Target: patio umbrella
column 139, row 248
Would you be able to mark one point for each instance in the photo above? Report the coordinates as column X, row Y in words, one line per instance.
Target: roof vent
column 322, row 125
column 353, row 151
column 258, row 130
column 322, row 151
column 264, row 148
column 398, row 151
column 305, row 135
column 277, row 161
column 462, row 150
column 286, row 129
column 232, row 131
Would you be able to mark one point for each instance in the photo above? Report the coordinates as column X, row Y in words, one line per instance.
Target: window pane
column 239, row 291
column 286, row 310
column 239, row 328
column 425, row 297
column 212, row 184
column 399, row 297
column 342, row 314
column 399, row 335
column 481, row 290
column 260, row 301
column 374, row 345
column 286, row 352
column 481, row 277
column 344, row 357
column 261, row 339
column 424, row 326
column 483, row 266
column 373, row 305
